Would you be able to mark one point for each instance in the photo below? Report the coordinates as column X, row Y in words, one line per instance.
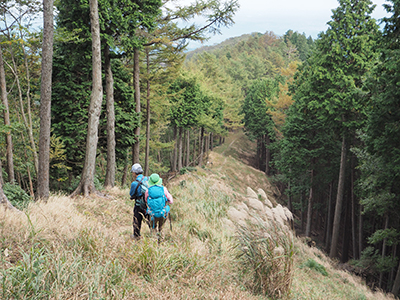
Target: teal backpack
column 157, row 203
column 140, row 190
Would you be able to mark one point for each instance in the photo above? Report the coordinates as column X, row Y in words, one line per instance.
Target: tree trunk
column 339, row 202
column 267, row 154
column 9, row 144
column 258, row 154
column 3, row 198
column 27, row 168
column 360, row 233
column 27, row 122
column 396, row 284
column 180, row 148
column 28, row 97
column 353, row 212
column 184, row 148
column 302, row 210
column 109, row 181
column 175, row 152
column 200, row 143
column 290, row 205
column 136, row 86
column 45, row 101
column 187, row 147
column 86, row 185
column 392, row 270
column 383, row 250
column 201, row 147
column 347, row 233
column 329, row 219
column 194, row 149
column 211, row 141
column 309, row 209
column 125, row 171
column 207, row 145
column 147, row 153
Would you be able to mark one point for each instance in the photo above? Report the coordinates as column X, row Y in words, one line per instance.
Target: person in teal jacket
column 158, row 199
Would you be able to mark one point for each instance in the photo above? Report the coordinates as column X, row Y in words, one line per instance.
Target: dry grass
column 81, row 248
column 266, row 258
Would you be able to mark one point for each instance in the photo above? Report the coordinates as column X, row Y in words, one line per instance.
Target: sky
column 304, row 16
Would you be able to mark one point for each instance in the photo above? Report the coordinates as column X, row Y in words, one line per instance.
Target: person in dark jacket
column 137, row 192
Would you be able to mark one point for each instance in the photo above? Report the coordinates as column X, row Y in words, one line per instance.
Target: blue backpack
column 157, row 203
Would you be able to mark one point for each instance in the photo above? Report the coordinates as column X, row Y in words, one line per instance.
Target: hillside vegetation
column 81, row 248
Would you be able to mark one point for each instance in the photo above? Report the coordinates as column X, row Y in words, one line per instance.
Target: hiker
column 138, row 189
column 157, row 198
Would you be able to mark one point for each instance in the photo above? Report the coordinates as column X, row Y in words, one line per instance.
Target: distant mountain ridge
column 228, row 42
column 292, row 45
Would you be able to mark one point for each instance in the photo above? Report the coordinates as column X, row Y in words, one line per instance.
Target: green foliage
column 16, row 195
column 98, row 183
column 301, row 44
column 390, row 234
column 346, row 53
column 387, row 263
column 256, row 119
column 308, row 143
column 21, row 44
column 72, row 73
column 120, row 19
column 329, row 102
column 71, row 90
column 185, row 170
column 378, row 185
column 312, row 264
column 230, row 69
column 372, row 261
column 378, row 200
column 186, row 100
column 58, row 167
column 381, row 163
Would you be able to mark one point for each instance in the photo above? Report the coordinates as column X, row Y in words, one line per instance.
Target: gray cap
column 137, row 168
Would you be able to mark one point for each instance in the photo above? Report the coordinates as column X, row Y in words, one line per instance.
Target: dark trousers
column 139, row 215
column 157, row 223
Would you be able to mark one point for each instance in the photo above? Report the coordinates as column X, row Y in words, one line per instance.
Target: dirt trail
column 238, row 146
column 230, row 145
column 233, row 162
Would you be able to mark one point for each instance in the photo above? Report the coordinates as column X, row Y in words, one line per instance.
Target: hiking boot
column 136, row 238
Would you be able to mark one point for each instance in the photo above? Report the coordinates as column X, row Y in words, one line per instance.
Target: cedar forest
column 325, row 113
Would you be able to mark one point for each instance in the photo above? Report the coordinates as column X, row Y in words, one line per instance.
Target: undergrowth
column 81, row 248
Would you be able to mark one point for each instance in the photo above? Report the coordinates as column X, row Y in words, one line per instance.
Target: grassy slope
column 81, row 248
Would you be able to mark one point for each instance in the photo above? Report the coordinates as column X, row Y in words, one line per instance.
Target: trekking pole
column 170, row 224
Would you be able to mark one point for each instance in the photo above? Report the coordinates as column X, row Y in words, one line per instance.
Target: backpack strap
column 137, row 186
column 139, row 200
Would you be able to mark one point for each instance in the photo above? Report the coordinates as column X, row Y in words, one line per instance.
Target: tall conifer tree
column 379, row 185
column 348, row 54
